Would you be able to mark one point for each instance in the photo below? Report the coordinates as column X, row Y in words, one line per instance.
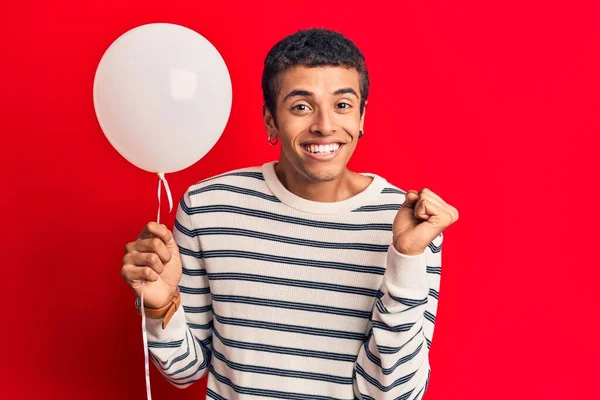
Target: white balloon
column 162, row 95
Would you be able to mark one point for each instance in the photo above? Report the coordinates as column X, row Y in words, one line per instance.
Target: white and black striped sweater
column 287, row 298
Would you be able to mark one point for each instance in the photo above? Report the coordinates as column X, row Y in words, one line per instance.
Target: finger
column 145, row 233
column 424, row 194
column 161, row 231
column 132, row 273
column 452, row 211
column 427, row 209
column 129, row 247
column 443, row 207
column 153, row 245
column 151, row 260
column 429, row 194
column 435, row 223
column 423, row 209
column 153, row 229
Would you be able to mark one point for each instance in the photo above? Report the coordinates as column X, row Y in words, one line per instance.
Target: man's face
column 318, row 119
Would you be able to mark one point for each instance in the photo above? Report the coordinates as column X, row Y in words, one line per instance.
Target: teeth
column 328, row 148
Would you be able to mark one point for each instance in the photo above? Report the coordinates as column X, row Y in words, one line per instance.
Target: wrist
column 409, row 251
column 165, row 312
column 148, row 305
column 407, row 271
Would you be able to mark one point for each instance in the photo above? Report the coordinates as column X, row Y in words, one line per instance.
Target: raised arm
column 393, row 363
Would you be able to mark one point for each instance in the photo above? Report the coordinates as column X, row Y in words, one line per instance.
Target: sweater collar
column 367, row 196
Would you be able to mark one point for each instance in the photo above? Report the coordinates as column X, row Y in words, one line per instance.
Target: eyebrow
column 300, row 92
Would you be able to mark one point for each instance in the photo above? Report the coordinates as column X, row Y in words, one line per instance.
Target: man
column 297, row 279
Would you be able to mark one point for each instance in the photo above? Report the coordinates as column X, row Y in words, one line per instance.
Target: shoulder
column 247, row 178
column 389, row 193
column 236, row 175
column 381, row 199
column 392, row 190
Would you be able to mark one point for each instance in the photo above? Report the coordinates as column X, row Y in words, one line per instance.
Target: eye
column 300, row 109
column 347, row 105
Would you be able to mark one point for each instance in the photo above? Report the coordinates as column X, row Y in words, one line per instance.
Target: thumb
column 169, row 240
column 166, row 236
column 427, row 230
column 410, row 199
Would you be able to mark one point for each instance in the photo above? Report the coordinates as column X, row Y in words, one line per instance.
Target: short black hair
column 314, row 47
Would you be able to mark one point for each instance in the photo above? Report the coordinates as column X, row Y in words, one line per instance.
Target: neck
column 346, row 185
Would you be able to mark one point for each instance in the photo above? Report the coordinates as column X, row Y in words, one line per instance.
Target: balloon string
column 145, row 339
column 161, row 180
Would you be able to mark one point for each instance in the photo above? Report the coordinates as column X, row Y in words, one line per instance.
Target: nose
column 323, row 124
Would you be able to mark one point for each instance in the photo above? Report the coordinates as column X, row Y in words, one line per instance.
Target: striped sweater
column 288, row 298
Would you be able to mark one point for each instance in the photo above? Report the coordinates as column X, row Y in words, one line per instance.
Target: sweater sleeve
column 393, row 362
column 182, row 351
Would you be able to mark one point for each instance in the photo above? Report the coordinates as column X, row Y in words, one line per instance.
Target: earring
column 275, row 142
column 360, row 134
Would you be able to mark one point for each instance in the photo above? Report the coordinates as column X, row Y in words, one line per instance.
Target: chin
column 322, row 174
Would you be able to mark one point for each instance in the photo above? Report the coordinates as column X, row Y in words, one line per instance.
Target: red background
column 492, row 106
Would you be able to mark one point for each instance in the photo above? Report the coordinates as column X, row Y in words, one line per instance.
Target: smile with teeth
column 322, row 149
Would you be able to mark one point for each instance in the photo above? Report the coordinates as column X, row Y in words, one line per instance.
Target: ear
column 269, row 121
column 362, row 117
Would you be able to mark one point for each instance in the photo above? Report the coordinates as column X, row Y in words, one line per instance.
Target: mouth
column 322, row 152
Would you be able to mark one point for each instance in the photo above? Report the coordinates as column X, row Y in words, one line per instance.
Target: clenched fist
column 422, row 217
column 152, row 264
